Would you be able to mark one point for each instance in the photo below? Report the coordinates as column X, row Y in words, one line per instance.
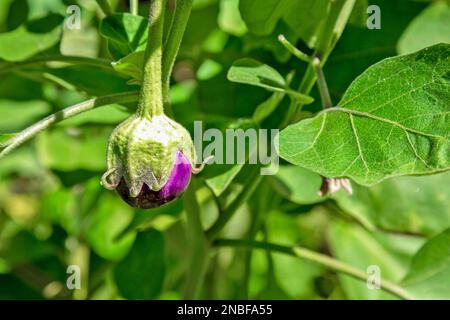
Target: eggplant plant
column 116, row 117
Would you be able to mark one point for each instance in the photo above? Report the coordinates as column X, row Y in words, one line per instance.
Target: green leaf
column 31, row 38
column 299, row 185
column 429, row 274
column 392, row 121
column 404, row 204
column 255, row 73
column 265, row 109
column 230, row 19
column 360, row 47
column 141, row 274
column 131, row 65
column 219, row 183
column 126, row 33
column 429, row 28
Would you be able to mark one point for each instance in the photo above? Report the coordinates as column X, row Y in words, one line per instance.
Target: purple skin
column 174, row 187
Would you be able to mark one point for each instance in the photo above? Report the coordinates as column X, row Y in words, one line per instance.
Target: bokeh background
column 54, row 213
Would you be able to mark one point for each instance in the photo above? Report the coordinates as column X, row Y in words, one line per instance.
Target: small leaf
column 266, row 108
column 141, row 274
column 131, row 65
column 255, row 73
column 126, row 33
column 219, row 183
column 298, row 185
column 429, row 274
column 392, row 121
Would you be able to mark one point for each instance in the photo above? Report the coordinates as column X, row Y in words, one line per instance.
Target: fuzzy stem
column 293, row 50
column 151, row 99
column 134, row 7
column 180, row 20
column 316, row 257
column 26, row 134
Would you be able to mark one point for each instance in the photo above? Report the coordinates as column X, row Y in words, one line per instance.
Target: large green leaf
column 429, row 28
column 392, row 121
column 141, row 274
column 126, row 33
column 404, row 204
column 429, row 274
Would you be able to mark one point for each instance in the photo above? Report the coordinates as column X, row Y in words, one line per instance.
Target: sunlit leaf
column 392, row 121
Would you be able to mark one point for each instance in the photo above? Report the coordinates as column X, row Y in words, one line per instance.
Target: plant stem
column 64, row 114
column 227, row 213
column 334, row 24
column 198, row 244
column 319, row 258
column 180, row 20
column 101, row 63
column 106, row 8
column 321, row 82
column 150, row 99
column 293, row 50
column 134, row 7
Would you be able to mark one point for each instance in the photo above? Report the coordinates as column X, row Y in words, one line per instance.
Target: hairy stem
column 134, row 7
column 316, row 257
column 331, row 31
column 26, row 134
column 150, row 99
column 198, row 244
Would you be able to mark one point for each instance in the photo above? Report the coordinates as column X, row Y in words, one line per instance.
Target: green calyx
column 142, row 150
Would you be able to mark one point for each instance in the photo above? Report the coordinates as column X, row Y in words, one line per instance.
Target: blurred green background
column 54, row 213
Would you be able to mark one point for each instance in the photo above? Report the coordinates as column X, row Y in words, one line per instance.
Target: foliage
column 234, row 234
